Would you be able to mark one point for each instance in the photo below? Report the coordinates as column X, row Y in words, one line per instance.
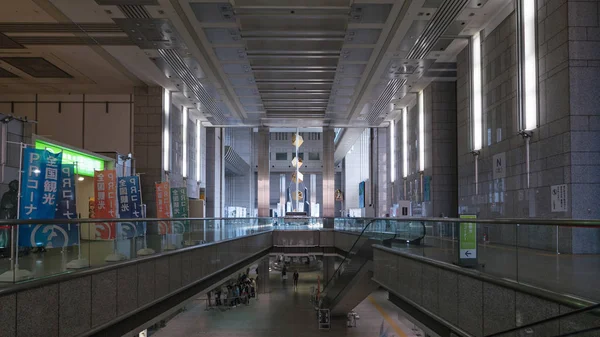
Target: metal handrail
column 567, row 300
column 540, row 222
column 502, row 221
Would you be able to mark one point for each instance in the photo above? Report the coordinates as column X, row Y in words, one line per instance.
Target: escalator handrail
column 347, row 254
column 546, row 320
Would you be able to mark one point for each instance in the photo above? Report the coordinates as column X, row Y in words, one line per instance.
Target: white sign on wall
column 499, row 165
column 559, row 198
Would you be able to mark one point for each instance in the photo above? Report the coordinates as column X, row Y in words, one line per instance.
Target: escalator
column 352, row 282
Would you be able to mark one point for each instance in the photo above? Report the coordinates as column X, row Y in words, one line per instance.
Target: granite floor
column 285, row 312
column 562, row 273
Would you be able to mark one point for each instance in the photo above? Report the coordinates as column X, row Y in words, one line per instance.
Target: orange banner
column 163, row 206
column 105, row 202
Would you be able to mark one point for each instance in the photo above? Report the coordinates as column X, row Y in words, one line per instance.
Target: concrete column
column 263, row 172
column 214, row 172
column 263, row 276
column 328, row 268
column 147, row 141
column 328, row 174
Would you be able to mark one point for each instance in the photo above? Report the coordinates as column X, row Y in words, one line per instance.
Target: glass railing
column 297, row 223
column 405, row 231
column 31, row 251
column 562, row 256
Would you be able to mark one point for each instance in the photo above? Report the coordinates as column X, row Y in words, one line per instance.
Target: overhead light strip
column 184, row 168
column 476, row 109
column 393, row 151
column 166, row 146
column 421, row 132
column 405, row 142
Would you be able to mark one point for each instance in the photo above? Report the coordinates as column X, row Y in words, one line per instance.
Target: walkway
column 285, row 313
column 561, row 273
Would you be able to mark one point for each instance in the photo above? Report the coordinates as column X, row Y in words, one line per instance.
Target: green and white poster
column 468, row 240
column 180, row 207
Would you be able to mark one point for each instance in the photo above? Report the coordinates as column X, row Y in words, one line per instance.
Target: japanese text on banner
column 163, row 207
column 39, row 186
column 130, row 205
column 179, row 203
column 105, row 197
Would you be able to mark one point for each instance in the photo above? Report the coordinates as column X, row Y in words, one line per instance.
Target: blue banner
column 66, row 208
column 39, row 188
column 130, row 205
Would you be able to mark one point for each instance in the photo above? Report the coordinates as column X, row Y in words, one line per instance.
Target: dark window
column 314, row 156
column 281, row 156
column 300, row 154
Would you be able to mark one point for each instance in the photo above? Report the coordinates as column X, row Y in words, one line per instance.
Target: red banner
column 105, row 202
column 163, row 206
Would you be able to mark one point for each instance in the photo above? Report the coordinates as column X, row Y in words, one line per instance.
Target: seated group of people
column 235, row 293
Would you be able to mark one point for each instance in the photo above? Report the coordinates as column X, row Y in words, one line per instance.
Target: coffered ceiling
column 278, row 63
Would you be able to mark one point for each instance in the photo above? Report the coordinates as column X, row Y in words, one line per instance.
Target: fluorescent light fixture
column 477, row 137
column 529, row 71
column 421, row 132
column 197, row 150
column 405, row 142
column 166, row 130
column 393, row 150
column 184, row 168
column 81, row 178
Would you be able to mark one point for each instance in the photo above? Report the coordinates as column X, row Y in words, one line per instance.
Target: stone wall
column 564, row 149
column 147, row 141
column 440, row 153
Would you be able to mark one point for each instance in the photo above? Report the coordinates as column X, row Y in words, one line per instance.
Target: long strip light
column 421, row 132
column 184, row 169
column 166, row 129
column 393, row 150
column 477, row 137
column 529, row 71
column 405, row 142
column 198, row 150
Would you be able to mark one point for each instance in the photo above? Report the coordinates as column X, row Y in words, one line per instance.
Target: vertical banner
column 105, row 198
column 163, row 207
column 66, row 207
column 179, row 203
column 39, row 186
column 361, row 194
column 130, row 206
column 467, row 242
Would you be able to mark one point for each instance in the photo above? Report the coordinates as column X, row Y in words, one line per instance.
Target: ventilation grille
column 440, row 22
column 59, row 28
column 385, row 98
column 135, row 11
column 442, row 19
column 174, row 60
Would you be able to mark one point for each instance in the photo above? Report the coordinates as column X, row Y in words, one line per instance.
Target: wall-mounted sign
column 559, row 198
column 499, row 166
column 85, row 164
column 467, row 242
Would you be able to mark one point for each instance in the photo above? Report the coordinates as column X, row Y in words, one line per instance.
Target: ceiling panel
column 370, row 13
column 36, row 67
column 219, row 36
column 6, row 74
column 362, row 36
column 213, row 12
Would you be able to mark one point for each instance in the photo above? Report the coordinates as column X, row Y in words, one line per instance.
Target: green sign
column 85, row 164
column 468, row 238
column 179, row 205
